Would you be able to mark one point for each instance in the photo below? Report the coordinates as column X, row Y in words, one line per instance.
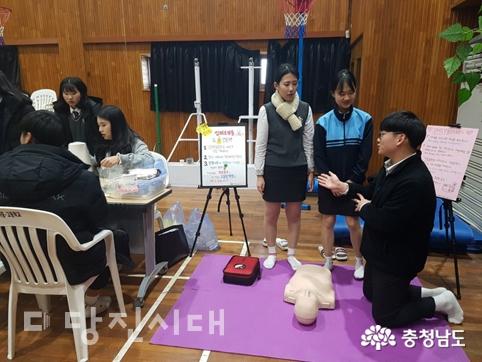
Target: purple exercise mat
column 254, row 320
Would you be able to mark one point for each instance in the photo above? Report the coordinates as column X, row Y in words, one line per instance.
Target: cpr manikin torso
column 309, row 289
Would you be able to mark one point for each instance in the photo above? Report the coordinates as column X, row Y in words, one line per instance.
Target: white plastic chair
column 43, row 99
column 31, row 272
column 157, row 213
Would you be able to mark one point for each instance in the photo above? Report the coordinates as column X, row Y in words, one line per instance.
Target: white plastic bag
column 208, row 239
column 174, row 215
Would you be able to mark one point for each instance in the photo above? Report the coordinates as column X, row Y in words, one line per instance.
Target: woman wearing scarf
column 284, row 160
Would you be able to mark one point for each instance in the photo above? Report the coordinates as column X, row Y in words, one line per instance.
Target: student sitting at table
column 41, row 174
column 77, row 111
column 120, row 145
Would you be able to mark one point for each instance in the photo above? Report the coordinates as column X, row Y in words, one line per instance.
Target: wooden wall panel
column 402, row 60
column 105, row 18
column 48, row 22
column 111, row 76
column 30, row 19
column 101, row 42
column 401, row 63
column 67, row 18
column 39, row 66
column 194, row 18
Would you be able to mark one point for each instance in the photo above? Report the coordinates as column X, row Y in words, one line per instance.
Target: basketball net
column 4, row 15
column 296, row 16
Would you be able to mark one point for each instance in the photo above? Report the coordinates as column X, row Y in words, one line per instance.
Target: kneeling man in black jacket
column 398, row 209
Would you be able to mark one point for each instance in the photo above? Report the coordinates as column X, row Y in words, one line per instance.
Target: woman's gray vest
column 285, row 147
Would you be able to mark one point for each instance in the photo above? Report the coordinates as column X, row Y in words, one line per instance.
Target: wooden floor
column 56, row 343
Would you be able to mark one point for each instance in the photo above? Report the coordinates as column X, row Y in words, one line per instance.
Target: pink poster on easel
column 446, row 152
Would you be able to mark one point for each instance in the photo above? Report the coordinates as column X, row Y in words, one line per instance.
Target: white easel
column 250, row 115
column 199, row 115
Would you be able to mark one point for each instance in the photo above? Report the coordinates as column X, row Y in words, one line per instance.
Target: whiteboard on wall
column 223, row 157
column 446, row 152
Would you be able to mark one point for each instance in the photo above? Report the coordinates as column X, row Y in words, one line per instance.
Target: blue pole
column 301, row 33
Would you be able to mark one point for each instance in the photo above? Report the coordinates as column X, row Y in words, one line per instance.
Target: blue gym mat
column 467, row 238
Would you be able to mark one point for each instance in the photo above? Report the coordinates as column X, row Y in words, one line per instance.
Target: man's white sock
column 432, row 292
column 270, row 261
column 447, row 303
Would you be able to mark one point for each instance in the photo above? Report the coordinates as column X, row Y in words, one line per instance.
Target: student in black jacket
column 78, row 112
column 40, row 174
column 398, row 209
column 13, row 106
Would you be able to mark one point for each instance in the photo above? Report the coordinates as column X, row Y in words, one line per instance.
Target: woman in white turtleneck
column 284, row 160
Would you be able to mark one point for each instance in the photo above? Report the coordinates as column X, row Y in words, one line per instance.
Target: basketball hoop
column 4, row 15
column 296, row 16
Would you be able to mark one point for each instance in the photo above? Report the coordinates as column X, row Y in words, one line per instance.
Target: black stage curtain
column 322, row 59
column 9, row 64
column 224, row 85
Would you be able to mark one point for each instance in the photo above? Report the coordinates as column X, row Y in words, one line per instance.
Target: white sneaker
column 359, row 273
column 294, row 263
column 270, row 261
column 280, row 243
column 338, row 254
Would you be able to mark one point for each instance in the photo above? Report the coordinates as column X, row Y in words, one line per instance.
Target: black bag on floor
column 171, row 245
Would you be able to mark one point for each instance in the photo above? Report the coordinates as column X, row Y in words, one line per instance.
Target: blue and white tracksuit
column 343, row 144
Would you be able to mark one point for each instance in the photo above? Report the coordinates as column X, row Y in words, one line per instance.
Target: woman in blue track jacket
column 343, row 145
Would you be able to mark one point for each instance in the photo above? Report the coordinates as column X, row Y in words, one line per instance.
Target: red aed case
column 242, row 270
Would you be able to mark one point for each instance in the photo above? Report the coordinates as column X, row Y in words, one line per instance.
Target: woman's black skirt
column 285, row 184
column 331, row 205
